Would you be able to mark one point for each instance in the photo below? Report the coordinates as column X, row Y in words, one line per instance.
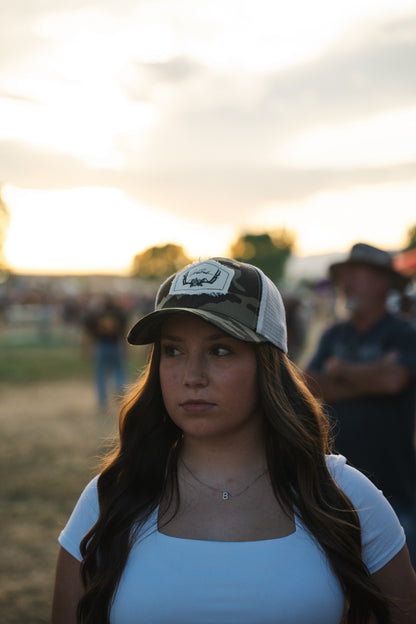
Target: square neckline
column 155, row 519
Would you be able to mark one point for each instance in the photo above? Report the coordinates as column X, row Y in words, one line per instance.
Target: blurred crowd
column 55, row 307
column 47, row 307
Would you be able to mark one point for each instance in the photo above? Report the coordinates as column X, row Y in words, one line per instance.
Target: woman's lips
column 196, row 405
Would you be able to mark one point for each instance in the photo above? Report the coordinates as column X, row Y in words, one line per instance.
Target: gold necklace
column 225, row 494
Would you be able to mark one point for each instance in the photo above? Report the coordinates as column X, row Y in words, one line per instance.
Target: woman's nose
column 195, row 373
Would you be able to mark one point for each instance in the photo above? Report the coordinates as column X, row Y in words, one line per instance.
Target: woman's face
column 208, row 379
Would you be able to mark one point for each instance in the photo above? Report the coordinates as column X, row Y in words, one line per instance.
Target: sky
column 126, row 124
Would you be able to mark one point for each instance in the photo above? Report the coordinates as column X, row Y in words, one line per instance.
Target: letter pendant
column 225, row 495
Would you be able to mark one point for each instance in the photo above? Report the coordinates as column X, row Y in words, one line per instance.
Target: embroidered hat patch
column 206, row 278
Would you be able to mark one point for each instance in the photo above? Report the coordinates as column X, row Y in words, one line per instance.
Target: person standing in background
column 364, row 370
column 105, row 328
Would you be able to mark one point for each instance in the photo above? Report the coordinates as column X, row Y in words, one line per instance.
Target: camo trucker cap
column 236, row 297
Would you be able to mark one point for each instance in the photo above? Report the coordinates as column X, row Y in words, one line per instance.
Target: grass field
column 51, row 438
column 26, row 357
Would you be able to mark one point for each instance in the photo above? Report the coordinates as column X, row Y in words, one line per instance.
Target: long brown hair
column 143, row 467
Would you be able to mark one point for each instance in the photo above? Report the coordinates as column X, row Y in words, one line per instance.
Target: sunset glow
column 191, row 122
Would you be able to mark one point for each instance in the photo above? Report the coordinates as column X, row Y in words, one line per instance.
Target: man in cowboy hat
column 364, row 370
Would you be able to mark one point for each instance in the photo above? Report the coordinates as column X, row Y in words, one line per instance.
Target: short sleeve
column 382, row 535
column 82, row 519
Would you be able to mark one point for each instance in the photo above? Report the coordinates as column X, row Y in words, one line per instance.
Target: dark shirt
column 376, row 433
column 107, row 324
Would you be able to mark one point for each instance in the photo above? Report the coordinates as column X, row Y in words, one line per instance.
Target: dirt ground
column 51, row 438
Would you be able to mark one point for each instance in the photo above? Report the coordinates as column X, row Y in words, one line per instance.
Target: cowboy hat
column 363, row 254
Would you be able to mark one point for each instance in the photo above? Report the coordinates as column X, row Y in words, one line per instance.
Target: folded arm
column 341, row 380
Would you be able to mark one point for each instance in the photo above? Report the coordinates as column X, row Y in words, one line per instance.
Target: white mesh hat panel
column 272, row 317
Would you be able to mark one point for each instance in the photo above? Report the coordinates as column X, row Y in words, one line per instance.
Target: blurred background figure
column 364, row 369
column 407, row 308
column 297, row 324
column 104, row 335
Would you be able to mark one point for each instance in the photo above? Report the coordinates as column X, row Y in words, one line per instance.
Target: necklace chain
column 225, row 494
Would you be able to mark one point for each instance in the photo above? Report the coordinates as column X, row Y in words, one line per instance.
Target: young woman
column 221, row 503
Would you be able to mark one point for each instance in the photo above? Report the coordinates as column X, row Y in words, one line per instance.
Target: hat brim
column 398, row 280
column 147, row 329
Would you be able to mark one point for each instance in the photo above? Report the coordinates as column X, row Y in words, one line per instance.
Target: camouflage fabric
column 221, row 291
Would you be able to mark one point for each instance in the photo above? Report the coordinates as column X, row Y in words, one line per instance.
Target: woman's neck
column 224, row 458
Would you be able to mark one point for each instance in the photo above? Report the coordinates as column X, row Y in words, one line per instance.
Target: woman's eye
column 220, row 350
column 170, row 350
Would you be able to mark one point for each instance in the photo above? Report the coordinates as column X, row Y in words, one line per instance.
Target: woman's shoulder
column 90, row 492
column 367, row 499
column 335, row 464
column 351, row 481
column 382, row 535
column 92, row 485
column 82, row 519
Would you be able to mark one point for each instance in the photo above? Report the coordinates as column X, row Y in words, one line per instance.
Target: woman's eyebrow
column 172, row 337
column 218, row 336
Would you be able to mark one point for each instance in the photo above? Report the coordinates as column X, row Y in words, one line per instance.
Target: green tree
column 269, row 252
column 158, row 262
column 410, row 239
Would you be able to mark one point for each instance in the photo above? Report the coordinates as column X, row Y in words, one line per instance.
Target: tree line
column 268, row 251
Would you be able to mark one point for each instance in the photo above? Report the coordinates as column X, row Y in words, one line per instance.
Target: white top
column 169, row 580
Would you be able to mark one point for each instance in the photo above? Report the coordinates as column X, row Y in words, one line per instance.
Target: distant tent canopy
column 405, row 262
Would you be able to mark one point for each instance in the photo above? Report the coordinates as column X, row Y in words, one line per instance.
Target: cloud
column 367, row 73
column 17, row 97
column 212, row 147
column 219, row 194
column 232, row 194
column 242, row 118
column 23, row 37
column 175, row 70
column 29, row 166
column 145, row 79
